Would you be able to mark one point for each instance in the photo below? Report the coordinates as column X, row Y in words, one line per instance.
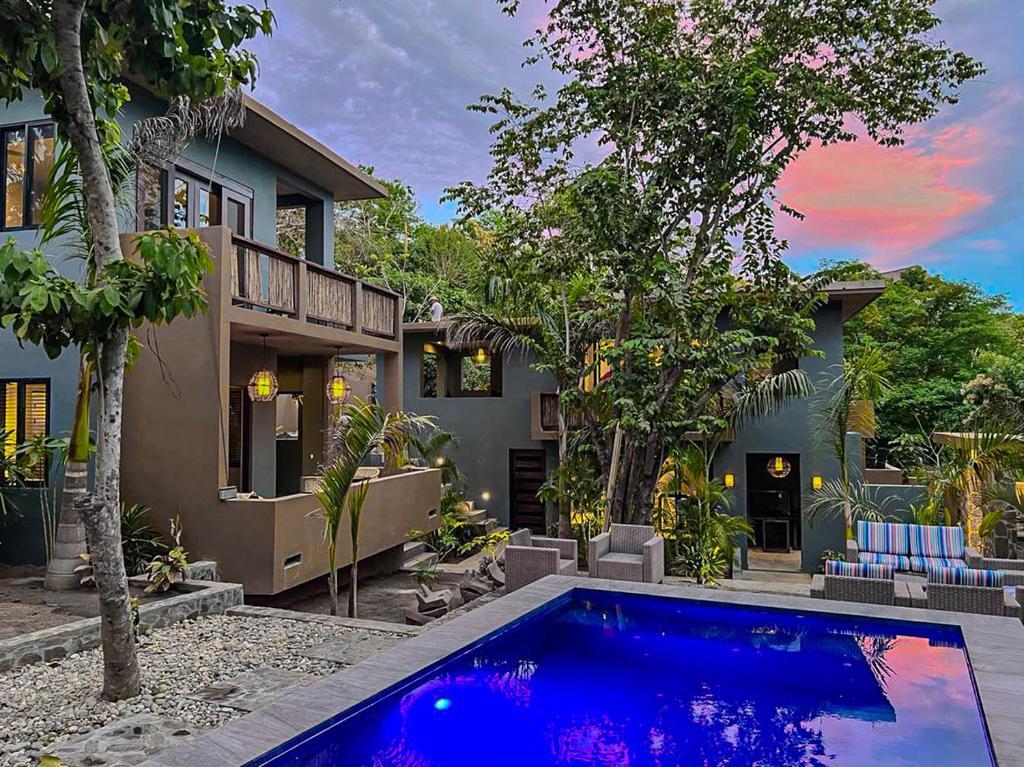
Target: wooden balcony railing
column 265, row 279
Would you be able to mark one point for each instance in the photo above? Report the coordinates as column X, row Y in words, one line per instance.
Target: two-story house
column 238, row 400
column 504, row 414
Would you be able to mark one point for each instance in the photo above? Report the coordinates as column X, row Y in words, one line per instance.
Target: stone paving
column 126, row 742
column 254, row 689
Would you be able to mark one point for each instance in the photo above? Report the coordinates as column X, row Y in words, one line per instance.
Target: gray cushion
column 520, row 538
column 629, row 567
column 566, row 567
column 630, row 539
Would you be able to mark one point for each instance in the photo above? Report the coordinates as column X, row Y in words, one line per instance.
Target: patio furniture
column 1012, row 569
column 627, row 553
column 965, row 590
column 909, row 548
column 530, row 557
column 860, row 582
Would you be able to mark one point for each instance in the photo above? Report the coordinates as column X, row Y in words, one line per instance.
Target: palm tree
column 434, row 451
column 851, row 388
column 705, row 535
column 365, row 428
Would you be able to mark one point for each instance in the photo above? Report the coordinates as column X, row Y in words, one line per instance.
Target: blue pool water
column 613, row 679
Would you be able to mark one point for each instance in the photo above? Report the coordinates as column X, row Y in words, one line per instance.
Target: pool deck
column 995, row 647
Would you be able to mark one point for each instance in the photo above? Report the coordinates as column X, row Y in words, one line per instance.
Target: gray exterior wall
column 487, row 427
column 21, row 535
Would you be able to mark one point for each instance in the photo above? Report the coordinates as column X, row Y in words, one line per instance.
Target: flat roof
column 284, row 142
column 855, row 294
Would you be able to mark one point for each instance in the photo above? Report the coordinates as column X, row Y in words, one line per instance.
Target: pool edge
column 995, row 649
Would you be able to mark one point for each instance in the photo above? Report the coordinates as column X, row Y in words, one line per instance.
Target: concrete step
column 425, row 559
column 412, row 548
column 475, row 516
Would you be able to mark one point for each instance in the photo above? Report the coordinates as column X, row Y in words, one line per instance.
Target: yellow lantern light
column 730, row 480
column 779, row 467
column 485, row 495
column 816, row 482
column 263, row 384
column 337, row 386
column 480, row 356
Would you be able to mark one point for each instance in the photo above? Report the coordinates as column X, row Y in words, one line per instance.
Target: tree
column 936, row 335
column 697, row 108
column 362, row 428
column 851, row 389
column 77, row 56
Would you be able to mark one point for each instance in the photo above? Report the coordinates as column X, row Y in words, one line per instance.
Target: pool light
column 442, row 704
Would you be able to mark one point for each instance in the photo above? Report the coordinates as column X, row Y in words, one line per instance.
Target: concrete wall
column 21, row 536
column 791, row 430
column 487, row 427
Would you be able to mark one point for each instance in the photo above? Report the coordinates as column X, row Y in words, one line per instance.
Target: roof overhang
column 291, row 147
column 854, row 295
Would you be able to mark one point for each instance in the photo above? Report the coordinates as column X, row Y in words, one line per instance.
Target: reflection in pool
column 615, row 679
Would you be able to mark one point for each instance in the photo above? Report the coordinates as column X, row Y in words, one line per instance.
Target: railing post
column 357, row 306
column 302, row 292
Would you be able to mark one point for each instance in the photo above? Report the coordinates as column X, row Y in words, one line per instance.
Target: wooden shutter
column 9, row 425
column 35, row 422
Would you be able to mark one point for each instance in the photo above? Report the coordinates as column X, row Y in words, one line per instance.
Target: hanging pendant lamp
column 337, row 385
column 263, row 384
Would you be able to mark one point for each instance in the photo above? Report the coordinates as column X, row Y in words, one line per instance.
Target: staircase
column 477, row 519
column 416, row 556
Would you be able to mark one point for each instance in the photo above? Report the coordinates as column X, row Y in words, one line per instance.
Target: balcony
column 264, row 279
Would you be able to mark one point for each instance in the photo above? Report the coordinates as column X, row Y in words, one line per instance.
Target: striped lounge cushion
column 938, row 542
column 922, row 564
column 858, row 570
column 895, row 561
column 965, row 576
column 883, row 537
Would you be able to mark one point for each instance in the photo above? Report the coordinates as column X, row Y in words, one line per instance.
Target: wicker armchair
column 873, row 591
column 964, row 593
column 530, row 557
column 627, row 553
column 1012, row 569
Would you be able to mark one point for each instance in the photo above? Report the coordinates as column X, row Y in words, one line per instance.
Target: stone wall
column 196, row 598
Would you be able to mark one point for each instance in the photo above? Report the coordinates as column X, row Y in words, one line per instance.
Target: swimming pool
column 598, row 677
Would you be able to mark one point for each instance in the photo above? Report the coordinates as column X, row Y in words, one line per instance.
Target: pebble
column 45, row 703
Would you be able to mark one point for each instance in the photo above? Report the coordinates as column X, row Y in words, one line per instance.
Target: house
column 195, row 431
column 504, row 415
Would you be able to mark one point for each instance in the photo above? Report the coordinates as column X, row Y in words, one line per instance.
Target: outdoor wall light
column 816, row 482
column 263, row 384
column 480, row 356
column 486, row 495
column 779, row 467
column 337, row 386
column 730, row 480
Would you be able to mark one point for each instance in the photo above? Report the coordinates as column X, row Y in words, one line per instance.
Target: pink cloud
column 888, row 202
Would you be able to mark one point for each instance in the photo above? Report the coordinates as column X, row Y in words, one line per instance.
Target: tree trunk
column 70, row 540
column 353, row 580
column 332, row 580
column 120, row 665
column 77, row 121
column 564, row 509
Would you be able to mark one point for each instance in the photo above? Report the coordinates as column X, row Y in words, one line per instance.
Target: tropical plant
column 850, row 391
column 965, row 471
column 434, row 451
column 363, row 428
column 454, row 531
column 139, row 542
column 703, row 536
column 167, row 569
column 77, row 56
column 848, row 501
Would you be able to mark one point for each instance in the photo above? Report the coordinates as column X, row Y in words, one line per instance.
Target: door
column 527, row 472
column 773, row 500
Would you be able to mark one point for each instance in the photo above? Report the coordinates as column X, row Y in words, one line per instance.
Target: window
column 477, row 374
column 26, row 157
column 195, row 202
column 25, row 407
column 429, row 371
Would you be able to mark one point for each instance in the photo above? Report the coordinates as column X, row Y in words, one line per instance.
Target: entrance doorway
column 773, row 503
column 527, row 472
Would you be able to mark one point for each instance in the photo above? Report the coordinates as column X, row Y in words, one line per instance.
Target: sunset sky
column 386, row 83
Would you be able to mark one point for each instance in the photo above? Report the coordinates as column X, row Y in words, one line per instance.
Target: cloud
column 889, row 202
column 387, row 82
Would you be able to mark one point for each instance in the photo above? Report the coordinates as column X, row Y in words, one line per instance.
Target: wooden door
column 527, row 472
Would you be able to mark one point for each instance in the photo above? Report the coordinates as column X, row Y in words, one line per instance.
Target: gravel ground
column 43, row 703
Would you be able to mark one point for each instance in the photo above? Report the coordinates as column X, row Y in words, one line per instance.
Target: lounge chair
column 627, row 553
column 530, row 557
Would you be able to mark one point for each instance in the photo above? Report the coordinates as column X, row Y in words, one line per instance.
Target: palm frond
column 768, row 395
column 864, row 502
